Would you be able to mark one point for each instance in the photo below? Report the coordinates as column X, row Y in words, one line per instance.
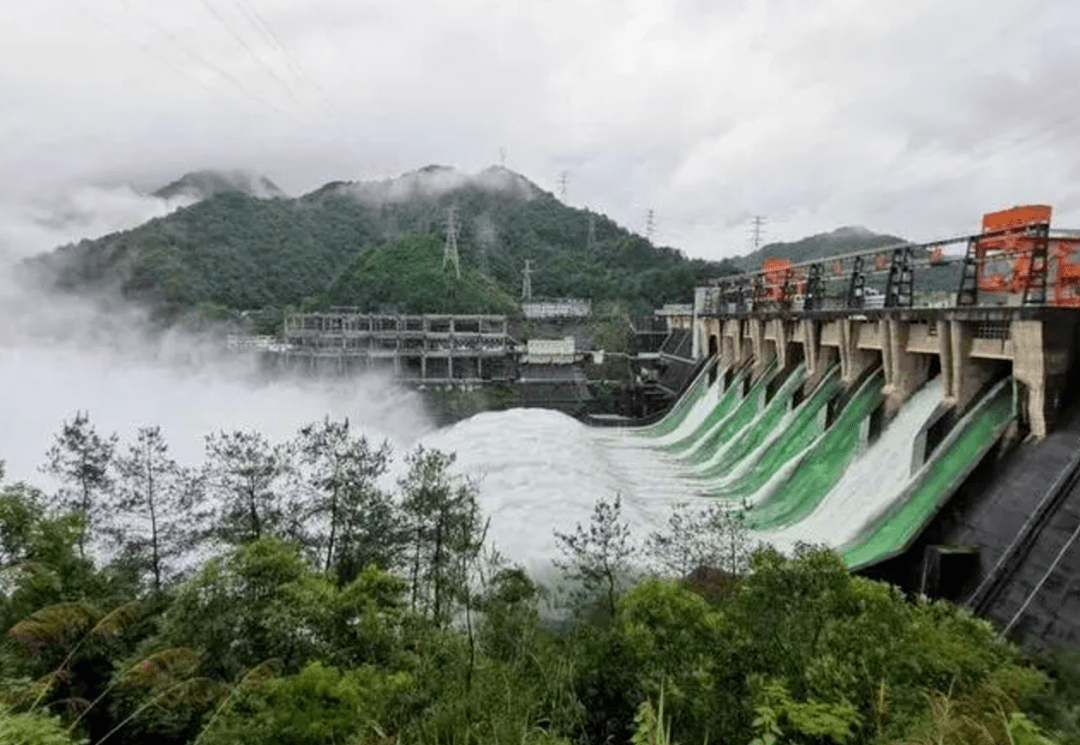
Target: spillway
column 793, row 455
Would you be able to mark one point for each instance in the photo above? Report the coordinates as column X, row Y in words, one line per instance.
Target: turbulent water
column 541, row 470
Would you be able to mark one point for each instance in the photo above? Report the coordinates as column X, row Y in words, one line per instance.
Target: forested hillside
column 283, row 592
column 241, row 253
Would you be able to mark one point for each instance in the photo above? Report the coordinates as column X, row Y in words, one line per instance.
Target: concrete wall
column 968, row 351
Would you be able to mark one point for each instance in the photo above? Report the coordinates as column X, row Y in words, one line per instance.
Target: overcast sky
column 910, row 117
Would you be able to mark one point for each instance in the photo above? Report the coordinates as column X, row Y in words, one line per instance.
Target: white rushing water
column 875, row 479
column 542, row 471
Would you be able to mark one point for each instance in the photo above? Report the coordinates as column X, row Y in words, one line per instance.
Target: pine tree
column 82, row 460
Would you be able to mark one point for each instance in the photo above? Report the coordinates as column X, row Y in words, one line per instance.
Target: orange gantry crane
column 1017, row 255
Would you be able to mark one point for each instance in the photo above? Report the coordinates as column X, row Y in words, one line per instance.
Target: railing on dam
column 1024, row 265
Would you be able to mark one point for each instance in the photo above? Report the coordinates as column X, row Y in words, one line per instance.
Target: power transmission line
column 450, row 251
column 250, row 51
column 195, row 56
column 274, row 44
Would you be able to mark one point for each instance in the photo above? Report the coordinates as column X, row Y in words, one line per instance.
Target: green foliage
column 597, row 556
column 317, row 706
column 1056, row 708
column 244, row 475
column 354, row 521
column 223, row 609
column 31, row 728
column 264, row 601
column 713, row 536
column 155, row 499
column 444, row 530
column 82, row 460
column 38, row 558
column 777, row 715
column 679, row 645
column 407, row 276
column 651, row 728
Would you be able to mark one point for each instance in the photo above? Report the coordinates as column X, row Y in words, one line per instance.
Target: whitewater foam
column 873, row 480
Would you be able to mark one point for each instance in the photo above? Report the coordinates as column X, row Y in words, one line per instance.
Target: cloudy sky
column 910, row 117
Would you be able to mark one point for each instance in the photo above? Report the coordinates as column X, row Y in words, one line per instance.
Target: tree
column 155, row 495
column 39, row 562
column 82, row 460
column 320, row 704
column 598, row 556
column 712, row 537
column 356, row 522
column 243, row 472
column 444, row 529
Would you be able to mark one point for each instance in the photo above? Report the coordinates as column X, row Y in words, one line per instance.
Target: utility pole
column 563, row 178
column 590, row 242
column 757, row 223
column 450, row 252
column 650, row 225
column 526, row 282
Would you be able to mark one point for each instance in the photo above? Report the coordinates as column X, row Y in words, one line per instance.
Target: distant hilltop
column 821, row 246
column 199, row 185
column 433, row 181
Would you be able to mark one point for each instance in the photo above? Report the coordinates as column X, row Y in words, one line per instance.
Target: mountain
column 205, row 184
column 240, row 252
column 823, row 245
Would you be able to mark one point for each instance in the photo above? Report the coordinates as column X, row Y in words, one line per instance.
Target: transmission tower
column 526, row 282
column 650, row 225
column 590, row 242
column 450, row 252
column 564, row 177
column 502, row 157
column 757, row 223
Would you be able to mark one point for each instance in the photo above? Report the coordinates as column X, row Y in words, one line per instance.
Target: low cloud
column 61, row 353
column 32, row 226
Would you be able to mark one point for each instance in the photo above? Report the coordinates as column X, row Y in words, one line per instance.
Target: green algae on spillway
column 728, row 399
column 759, row 430
column 805, row 426
column 820, row 468
column 725, row 431
column 935, row 482
column 678, row 413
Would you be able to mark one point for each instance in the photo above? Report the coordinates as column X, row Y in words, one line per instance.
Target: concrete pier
column 969, row 347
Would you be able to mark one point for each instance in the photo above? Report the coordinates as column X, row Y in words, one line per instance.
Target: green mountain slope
column 241, row 252
column 407, row 276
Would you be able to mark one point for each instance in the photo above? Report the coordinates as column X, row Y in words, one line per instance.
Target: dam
column 931, row 439
column 926, row 434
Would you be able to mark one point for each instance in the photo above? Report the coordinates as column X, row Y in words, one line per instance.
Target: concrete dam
column 935, row 444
